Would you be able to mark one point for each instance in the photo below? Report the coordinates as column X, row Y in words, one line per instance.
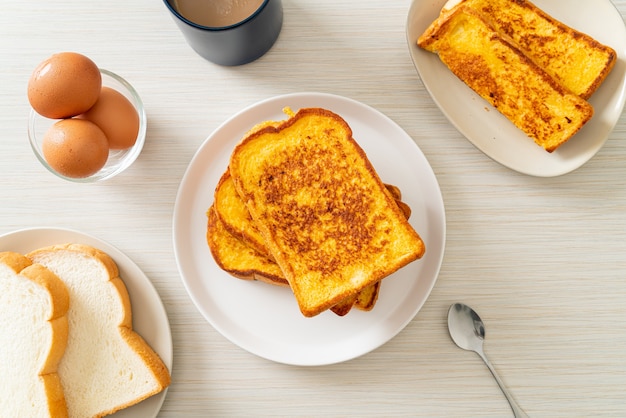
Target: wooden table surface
column 541, row 259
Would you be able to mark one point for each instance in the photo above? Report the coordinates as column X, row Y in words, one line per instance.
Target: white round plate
column 264, row 319
column 491, row 132
column 149, row 315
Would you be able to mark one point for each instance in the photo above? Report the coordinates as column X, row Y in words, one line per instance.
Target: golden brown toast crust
column 506, row 78
column 576, row 60
column 321, row 208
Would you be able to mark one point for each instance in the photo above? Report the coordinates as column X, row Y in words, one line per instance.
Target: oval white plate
column 491, row 132
column 149, row 315
column 265, row 319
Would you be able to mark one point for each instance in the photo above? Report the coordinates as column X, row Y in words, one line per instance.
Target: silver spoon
column 468, row 332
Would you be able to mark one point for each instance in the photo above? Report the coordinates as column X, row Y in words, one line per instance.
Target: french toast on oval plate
column 495, row 68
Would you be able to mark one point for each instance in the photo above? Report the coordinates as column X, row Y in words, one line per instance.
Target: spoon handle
column 517, row 411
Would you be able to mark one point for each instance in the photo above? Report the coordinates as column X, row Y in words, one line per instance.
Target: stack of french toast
column 534, row 69
column 300, row 205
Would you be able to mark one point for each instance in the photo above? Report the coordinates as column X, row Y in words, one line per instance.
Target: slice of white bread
column 107, row 366
column 33, row 337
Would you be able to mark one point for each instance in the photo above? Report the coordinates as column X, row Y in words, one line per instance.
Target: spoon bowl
column 467, row 331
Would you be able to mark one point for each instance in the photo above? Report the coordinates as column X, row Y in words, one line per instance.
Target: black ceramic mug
column 233, row 44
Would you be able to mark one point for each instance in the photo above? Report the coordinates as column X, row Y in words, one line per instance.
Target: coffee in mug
column 216, row 13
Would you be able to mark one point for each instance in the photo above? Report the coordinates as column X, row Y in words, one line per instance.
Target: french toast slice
column 323, row 212
column 233, row 213
column 237, row 257
column 576, row 60
column 366, row 299
column 244, row 262
column 237, row 247
column 506, row 78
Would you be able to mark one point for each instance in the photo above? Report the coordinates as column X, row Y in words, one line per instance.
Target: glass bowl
column 119, row 160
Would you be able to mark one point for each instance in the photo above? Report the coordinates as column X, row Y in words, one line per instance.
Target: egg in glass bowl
column 72, row 147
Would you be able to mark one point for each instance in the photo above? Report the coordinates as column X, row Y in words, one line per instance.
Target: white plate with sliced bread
column 148, row 313
column 265, row 320
column 495, row 135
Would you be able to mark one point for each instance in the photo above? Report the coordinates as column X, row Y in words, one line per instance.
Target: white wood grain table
column 542, row 259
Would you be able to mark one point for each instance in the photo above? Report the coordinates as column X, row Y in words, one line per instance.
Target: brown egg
column 117, row 118
column 64, row 85
column 75, row 148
